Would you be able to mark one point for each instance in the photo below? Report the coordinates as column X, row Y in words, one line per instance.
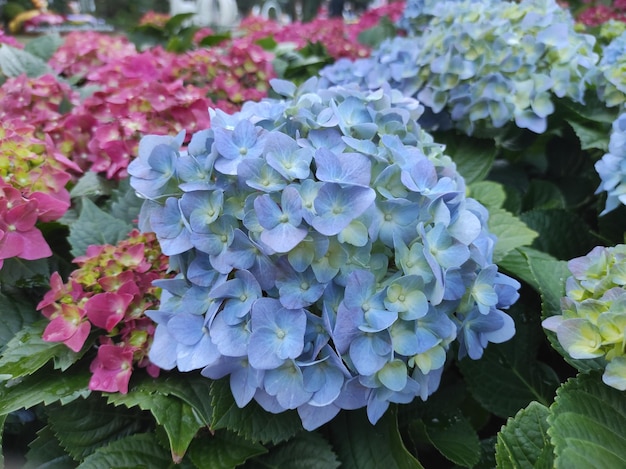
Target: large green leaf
column 15, row 62
column 454, row 437
column 125, row 204
column 511, row 232
column 251, row 422
column 223, row 450
column 88, row 424
column 523, row 443
column 361, row 445
column 45, row 387
column 45, row 452
column 179, row 420
column 15, row 314
column 508, row 376
column 27, row 352
column 491, row 194
column 587, row 422
column 592, row 135
column 473, row 156
column 134, row 451
column 23, row 273
column 95, row 226
column 44, row 46
column 304, row 451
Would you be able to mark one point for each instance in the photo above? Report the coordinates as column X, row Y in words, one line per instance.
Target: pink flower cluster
column 154, row 18
column 596, row 13
column 32, row 189
column 108, row 294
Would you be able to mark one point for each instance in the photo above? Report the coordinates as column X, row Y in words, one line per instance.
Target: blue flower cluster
column 593, row 320
column 328, row 255
column 612, row 167
column 480, row 65
column 611, row 78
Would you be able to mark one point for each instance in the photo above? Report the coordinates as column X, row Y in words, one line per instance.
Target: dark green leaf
column 125, row 204
column 454, row 437
column 251, row 422
column 361, row 445
column 523, row 443
column 43, row 387
column 44, row 46
column 45, row 452
column 508, row 376
column 134, row 451
column 216, row 39
column 473, row 156
column 2, row 420
column 562, row 233
column 27, row 352
column 591, row 134
column 22, row 273
column 304, row 451
column 587, row 422
column 95, row 226
column 542, row 195
column 374, row 36
column 88, row 424
column 15, row 314
column 223, row 450
column 176, row 22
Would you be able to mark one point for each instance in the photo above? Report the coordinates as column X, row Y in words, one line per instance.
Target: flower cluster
column 328, row 254
column 32, row 189
column 153, row 18
column 593, row 318
column 596, row 14
column 610, row 80
column 612, row 167
column 480, row 65
column 110, row 291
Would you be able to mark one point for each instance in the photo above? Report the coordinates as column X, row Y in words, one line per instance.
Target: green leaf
column 511, row 233
column 44, row 46
column 361, row 445
column 22, row 273
column 27, row 352
column 45, row 452
column 15, row 62
column 491, row 194
column 304, row 451
column 523, row 443
column 91, row 184
column 508, row 376
column 15, row 314
column 223, row 450
column 2, row 420
column 374, row 36
column 587, row 422
column 251, row 422
column 88, row 424
column 473, row 156
column 178, row 419
column 125, row 204
column 175, row 23
column 542, row 195
column 134, row 451
column 43, row 387
column 95, row 226
column 454, row 437
column 591, row 134
column 216, row 39
column 562, row 233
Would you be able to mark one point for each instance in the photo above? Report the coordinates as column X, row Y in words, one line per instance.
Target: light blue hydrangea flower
column 480, row 65
column 328, row 256
column 612, row 167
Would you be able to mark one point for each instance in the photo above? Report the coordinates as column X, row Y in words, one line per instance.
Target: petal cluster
column 107, row 295
column 328, row 254
column 481, row 65
column 612, row 167
column 593, row 315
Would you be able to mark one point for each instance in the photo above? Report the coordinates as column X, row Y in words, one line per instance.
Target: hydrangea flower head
column 593, row 318
column 478, row 65
column 612, row 167
column 109, row 293
column 340, row 261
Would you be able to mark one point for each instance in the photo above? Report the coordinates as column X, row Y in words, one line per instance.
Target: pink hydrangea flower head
column 107, row 309
column 112, row 369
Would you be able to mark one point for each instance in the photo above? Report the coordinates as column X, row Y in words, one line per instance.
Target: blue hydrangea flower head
column 612, row 167
column 328, row 256
column 480, row 65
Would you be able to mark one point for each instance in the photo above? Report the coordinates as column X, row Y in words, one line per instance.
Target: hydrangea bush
column 329, row 256
column 593, row 318
column 480, row 65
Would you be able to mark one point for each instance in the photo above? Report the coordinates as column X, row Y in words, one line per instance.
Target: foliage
column 504, row 208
